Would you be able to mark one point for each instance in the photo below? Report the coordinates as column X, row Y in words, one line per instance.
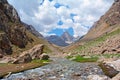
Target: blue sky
column 56, row 16
column 59, row 31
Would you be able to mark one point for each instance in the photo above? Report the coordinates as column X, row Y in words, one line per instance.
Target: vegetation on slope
column 83, row 48
column 79, row 53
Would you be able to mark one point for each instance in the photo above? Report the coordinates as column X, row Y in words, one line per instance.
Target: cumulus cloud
column 46, row 15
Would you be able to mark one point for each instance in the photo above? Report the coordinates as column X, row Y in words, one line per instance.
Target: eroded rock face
column 5, row 45
column 12, row 31
column 18, row 37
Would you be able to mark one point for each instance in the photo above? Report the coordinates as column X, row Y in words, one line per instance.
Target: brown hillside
column 106, row 24
column 103, row 37
column 14, row 36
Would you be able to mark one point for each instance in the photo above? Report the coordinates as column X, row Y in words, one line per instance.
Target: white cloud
column 45, row 17
column 79, row 29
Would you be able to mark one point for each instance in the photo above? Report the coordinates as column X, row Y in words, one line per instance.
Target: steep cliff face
column 11, row 30
column 107, row 23
column 67, row 37
column 56, row 40
column 64, row 40
column 33, row 30
column 13, row 33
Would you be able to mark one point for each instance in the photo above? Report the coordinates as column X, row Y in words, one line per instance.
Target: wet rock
column 44, row 56
column 97, row 77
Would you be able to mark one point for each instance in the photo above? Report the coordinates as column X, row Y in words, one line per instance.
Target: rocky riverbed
column 61, row 69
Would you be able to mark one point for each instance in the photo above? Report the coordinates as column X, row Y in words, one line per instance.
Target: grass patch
column 79, row 58
column 15, row 68
column 69, row 57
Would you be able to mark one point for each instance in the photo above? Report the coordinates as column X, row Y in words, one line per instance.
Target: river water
column 59, row 69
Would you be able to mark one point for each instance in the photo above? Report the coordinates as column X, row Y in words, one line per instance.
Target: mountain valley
column 25, row 54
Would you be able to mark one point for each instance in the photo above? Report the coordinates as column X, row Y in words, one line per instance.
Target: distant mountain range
column 64, row 40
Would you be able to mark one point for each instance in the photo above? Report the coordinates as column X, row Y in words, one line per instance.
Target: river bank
column 59, row 69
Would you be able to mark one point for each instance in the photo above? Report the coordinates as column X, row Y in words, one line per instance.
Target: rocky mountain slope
column 16, row 37
column 33, row 30
column 103, row 37
column 64, row 40
column 56, row 40
column 106, row 24
column 67, row 37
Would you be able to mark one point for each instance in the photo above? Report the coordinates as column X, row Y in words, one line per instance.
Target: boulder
column 44, row 56
column 110, row 68
column 115, row 64
column 24, row 58
column 117, row 77
column 36, row 51
column 97, row 77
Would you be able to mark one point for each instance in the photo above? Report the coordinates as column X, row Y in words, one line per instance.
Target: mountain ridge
column 64, row 40
column 67, row 37
column 106, row 23
column 16, row 36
